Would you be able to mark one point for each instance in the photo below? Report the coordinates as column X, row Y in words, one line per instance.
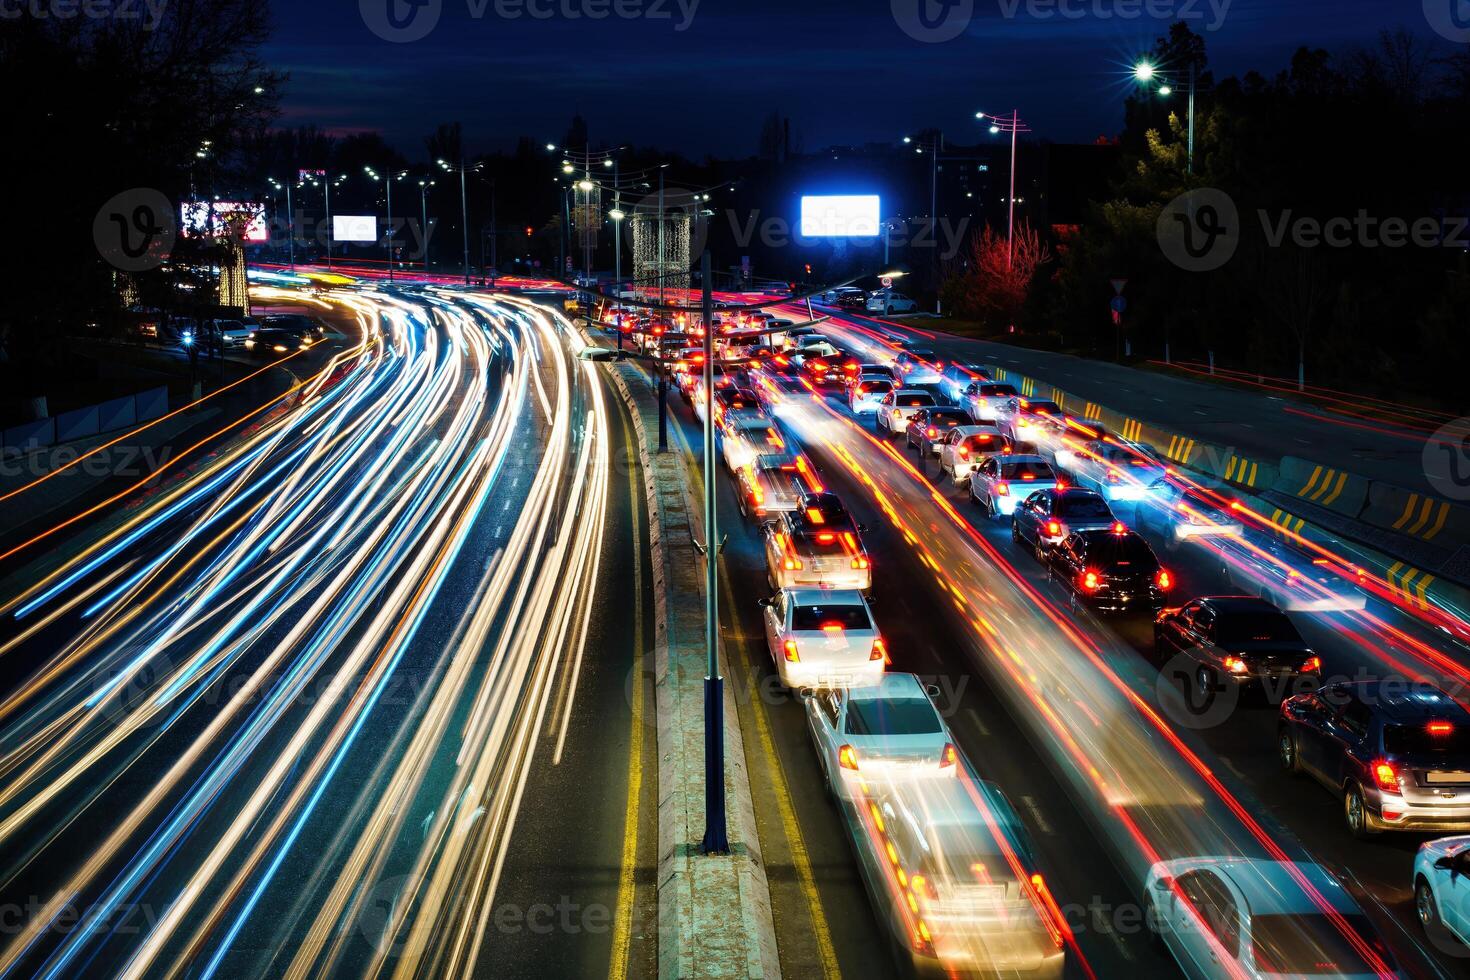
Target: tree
column 993, row 281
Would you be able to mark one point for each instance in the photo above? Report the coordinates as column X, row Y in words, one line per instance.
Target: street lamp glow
column 585, row 185
column 616, row 214
column 908, row 139
column 608, row 162
column 1166, row 90
column 567, row 168
column 979, row 115
column 1143, row 71
column 550, row 146
column 994, row 130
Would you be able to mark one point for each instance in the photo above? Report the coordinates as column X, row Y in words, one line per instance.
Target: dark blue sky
column 843, row 72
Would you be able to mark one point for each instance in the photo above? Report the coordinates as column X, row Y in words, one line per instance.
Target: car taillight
column 792, row 564
column 948, row 756
column 1386, row 777
column 1003, row 489
column 1054, row 528
column 1114, row 477
column 860, row 562
column 847, row 758
column 897, row 414
column 1091, row 581
column 758, row 495
column 932, row 432
column 1046, row 909
column 1440, row 727
column 963, row 452
column 1236, row 665
column 880, row 650
column 1164, row 579
column 792, row 657
column 1312, row 665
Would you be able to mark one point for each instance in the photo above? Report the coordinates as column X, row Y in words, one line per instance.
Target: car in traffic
column 880, row 732
column 270, row 343
column 1046, row 517
column 771, row 483
column 1293, row 579
column 867, row 395
column 854, row 301
column 812, row 346
column 967, row 446
column 1442, row 888
column 876, row 372
column 297, row 323
column 956, row 378
column 918, row 366
column 979, row 902
column 831, row 370
column 1111, row 571
column 742, row 439
column 800, row 554
column 1179, row 513
column 890, row 302
column 1397, row 753
column 1029, row 420
column 984, row 399
column 898, row 406
column 999, row 483
column 928, row 429
column 1257, row 917
column 1119, row 471
column 823, row 638
column 1234, row 640
column 732, row 404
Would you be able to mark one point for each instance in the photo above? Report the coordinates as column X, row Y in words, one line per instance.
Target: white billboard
column 839, row 216
column 354, row 228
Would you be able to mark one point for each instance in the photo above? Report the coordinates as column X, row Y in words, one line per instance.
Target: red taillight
column 1164, row 579
column 880, row 650
column 860, row 563
column 1119, row 527
column 847, row 758
column 1054, row 528
column 1312, row 665
column 792, row 657
column 1440, row 727
column 1236, row 666
column 1386, row 777
column 1003, row 489
column 1047, row 909
column 1091, row 581
column 792, row 564
column 948, row 756
column 826, row 537
column 963, row 452
column 932, row 432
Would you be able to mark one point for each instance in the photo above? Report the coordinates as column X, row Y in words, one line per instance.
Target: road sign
column 1118, row 285
column 887, row 282
column 1118, row 304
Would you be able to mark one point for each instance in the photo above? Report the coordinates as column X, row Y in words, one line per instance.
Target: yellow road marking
column 627, row 887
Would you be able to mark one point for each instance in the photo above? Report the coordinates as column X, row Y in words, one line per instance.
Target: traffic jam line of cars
column 1396, row 759
column 1056, row 480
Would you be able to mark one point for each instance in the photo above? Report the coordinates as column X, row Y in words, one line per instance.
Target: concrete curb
column 714, row 914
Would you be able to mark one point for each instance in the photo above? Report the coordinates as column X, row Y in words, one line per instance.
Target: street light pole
column 716, row 840
column 1193, row 69
column 1011, row 215
column 464, row 211
column 327, row 182
column 388, row 182
column 424, row 231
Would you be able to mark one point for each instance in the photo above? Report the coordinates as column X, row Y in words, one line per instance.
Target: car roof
column 825, row 597
column 890, row 685
column 747, row 424
column 1075, row 493
column 775, row 460
column 1022, row 458
column 1238, row 605
column 1401, row 702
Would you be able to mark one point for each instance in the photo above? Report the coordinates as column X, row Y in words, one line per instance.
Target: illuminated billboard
column 213, row 218
column 839, row 216
column 354, row 228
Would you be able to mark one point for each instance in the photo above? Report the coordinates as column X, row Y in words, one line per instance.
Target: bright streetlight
column 1143, row 71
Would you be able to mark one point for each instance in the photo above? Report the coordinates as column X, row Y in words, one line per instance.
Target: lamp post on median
column 387, row 181
column 1014, row 126
column 290, row 219
column 716, row 838
column 464, row 206
column 424, row 186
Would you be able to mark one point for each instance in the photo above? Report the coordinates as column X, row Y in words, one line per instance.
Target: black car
column 297, row 323
column 1047, row 517
column 1236, row 640
column 929, row 428
column 269, row 342
column 823, row 512
column 853, row 301
column 1111, row 570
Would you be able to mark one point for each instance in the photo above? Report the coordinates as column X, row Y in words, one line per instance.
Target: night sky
column 845, row 73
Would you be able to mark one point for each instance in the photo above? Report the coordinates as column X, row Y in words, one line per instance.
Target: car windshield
column 830, row 618
column 1263, row 627
column 893, row 716
column 1026, row 470
column 1083, row 507
column 1428, row 738
column 919, row 400
column 1311, row 944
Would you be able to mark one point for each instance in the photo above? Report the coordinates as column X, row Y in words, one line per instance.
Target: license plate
column 1447, row 777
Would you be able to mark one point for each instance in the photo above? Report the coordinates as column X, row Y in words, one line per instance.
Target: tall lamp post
column 933, row 147
column 1147, row 73
column 327, row 181
column 464, row 205
column 1013, row 125
column 424, row 186
column 290, row 219
column 387, row 181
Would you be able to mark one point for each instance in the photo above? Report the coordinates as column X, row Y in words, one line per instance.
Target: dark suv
column 1398, row 754
column 1111, row 571
column 1235, row 640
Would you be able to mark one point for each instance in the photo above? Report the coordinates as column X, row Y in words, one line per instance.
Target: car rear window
column 1262, row 627
column 893, row 716
column 1081, row 508
column 875, row 387
column 949, row 419
column 846, row 617
column 920, row 400
column 998, row 391
column 1418, row 739
column 1044, row 408
column 822, row 542
column 1027, row 471
column 1113, row 549
column 1311, row 944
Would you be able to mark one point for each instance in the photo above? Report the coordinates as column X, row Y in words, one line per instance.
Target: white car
column 955, row 380
column 1028, row 420
column 894, row 303
column 918, row 366
column 812, row 346
column 1294, row 581
column 883, row 732
column 1442, row 887
column 234, row 333
column 1001, row 482
column 967, row 446
column 899, row 406
column 746, row 438
column 772, row 483
column 1178, row 513
column 1117, row 470
column 1257, row 918
column 984, row 399
column 800, row 556
column 868, row 394
column 823, row 638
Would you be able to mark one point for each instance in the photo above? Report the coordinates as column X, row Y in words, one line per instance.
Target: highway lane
column 282, row 717
column 824, row 920
column 1376, row 641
